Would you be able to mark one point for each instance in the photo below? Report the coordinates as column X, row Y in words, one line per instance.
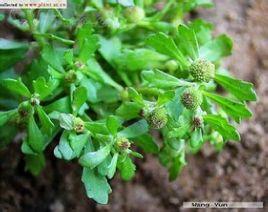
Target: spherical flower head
column 70, row 76
column 202, row 70
column 197, row 122
column 157, row 119
column 25, row 109
column 191, row 99
column 123, row 143
column 134, row 14
column 78, row 125
column 35, row 99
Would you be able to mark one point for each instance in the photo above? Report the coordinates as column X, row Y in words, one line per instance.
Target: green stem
column 57, row 38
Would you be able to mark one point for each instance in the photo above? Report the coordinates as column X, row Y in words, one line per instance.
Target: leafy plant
column 102, row 75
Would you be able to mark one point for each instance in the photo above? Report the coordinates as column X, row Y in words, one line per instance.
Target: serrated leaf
column 242, row 90
column 235, row 109
column 93, row 159
column 64, row 150
column 221, row 125
column 78, row 142
column 96, row 186
column 216, row 48
column 127, row 169
column 166, row 45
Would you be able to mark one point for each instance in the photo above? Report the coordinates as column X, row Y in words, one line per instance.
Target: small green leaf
column 166, row 45
column 46, row 123
column 35, row 163
column 35, row 137
column 97, row 127
column 61, row 105
column 78, row 142
column 217, row 48
column 242, row 90
column 113, row 124
column 112, row 166
column 5, row 116
column 129, row 110
column 221, row 125
column 196, row 139
column 96, row 186
column 64, row 149
column 79, row 98
column 44, row 88
column 147, row 143
column 135, row 96
column 16, row 86
column 160, row 79
column 177, row 164
column 134, row 130
column 93, row 159
column 66, row 121
column 235, row 109
column 127, row 169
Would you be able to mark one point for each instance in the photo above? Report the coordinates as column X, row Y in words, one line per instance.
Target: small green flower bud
column 123, row 143
column 157, row 119
column 79, row 125
column 70, row 76
column 191, row 99
column 202, row 70
column 124, row 95
column 134, row 14
column 197, row 122
column 25, row 109
column 171, row 66
column 35, row 99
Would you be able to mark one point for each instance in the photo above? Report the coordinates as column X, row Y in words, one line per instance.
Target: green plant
column 102, row 75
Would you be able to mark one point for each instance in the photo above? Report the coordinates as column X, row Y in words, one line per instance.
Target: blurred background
column 238, row 173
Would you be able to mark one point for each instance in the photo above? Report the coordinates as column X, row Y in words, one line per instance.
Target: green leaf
column 113, row 124
column 202, row 30
column 140, row 59
column 127, row 169
column 160, row 79
column 147, row 143
column 134, row 130
column 16, row 86
column 53, row 57
column 166, row 45
column 93, row 159
column 79, row 98
column 97, row 127
column 35, row 163
column 221, row 125
column 96, row 186
column 135, row 96
column 46, row 20
column 196, row 140
column 112, row 166
column 242, row 90
column 187, row 42
column 66, row 121
column 5, row 116
column 61, row 105
column 35, row 137
column 11, row 52
column 177, row 164
column 46, row 123
column 64, row 150
column 235, row 109
column 129, row 110
column 78, row 142
column 44, row 88
column 217, row 48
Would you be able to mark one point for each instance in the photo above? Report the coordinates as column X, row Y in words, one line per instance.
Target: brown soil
column 238, row 173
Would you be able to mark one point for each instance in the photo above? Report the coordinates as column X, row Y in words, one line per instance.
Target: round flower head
column 70, row 76
column 78, row 125
column 191, row 99
column 202, row 70
column 157, row 118
column 197, row 122
column 123, row 143
column 134, row 14
column 25, row 109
